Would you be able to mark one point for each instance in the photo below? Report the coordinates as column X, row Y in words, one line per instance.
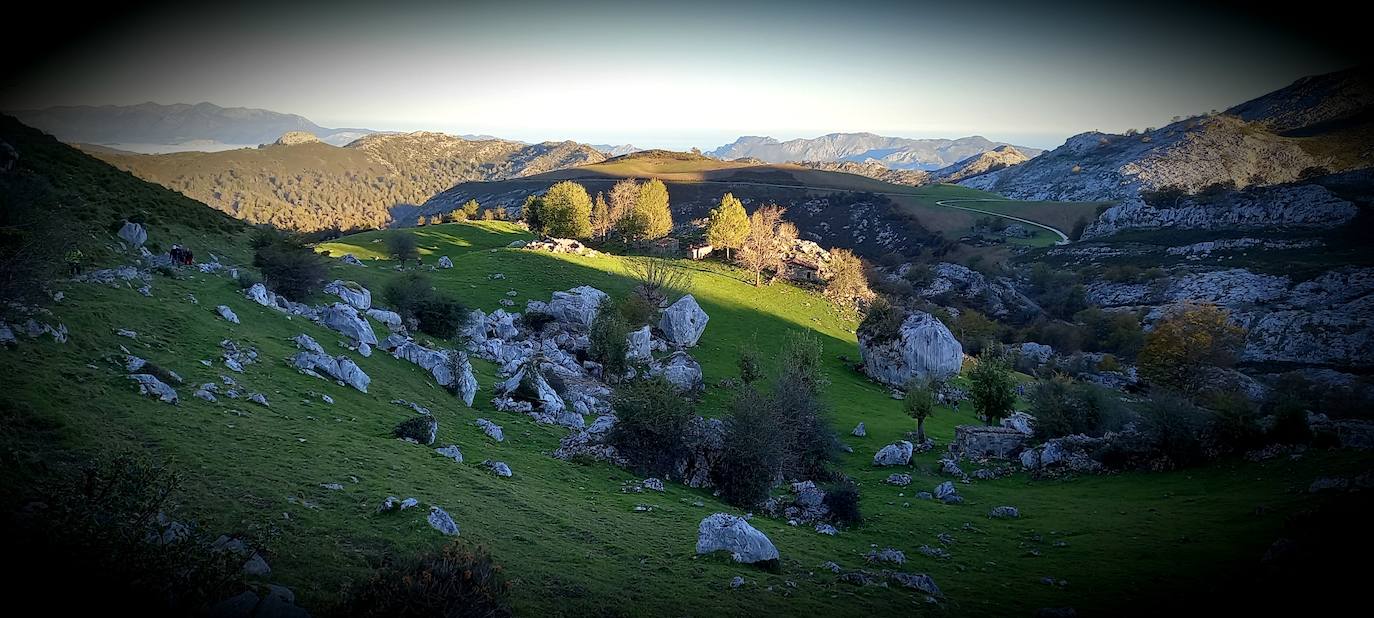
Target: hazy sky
column 687, row 73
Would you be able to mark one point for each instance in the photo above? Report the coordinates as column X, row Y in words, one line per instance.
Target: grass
column 565, row 532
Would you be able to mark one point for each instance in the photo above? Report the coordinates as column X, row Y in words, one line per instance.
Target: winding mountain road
column 1063, row 238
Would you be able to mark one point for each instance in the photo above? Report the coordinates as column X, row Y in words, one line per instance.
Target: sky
column 683, row 74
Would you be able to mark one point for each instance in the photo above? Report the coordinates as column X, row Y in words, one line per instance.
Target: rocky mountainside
column 151, row 123
column 892, row 152
column 871, row 169
column 981, row 163
column 299, row 183
column 612, row 150
column 1318, row 125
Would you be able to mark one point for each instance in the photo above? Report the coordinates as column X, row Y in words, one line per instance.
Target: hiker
column 74, row 259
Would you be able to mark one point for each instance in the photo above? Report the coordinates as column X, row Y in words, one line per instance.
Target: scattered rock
column 492, row 430
column 444, row 262
column 151, row 386
column 859, row 431
column 452, row 452
column 945, row 492
column 440, row 520
column 681, row 370
column 725, row 532
column 890, row 555
column 900, row 480
column 228, row 314
column 895, row 454
column 133, row 233
column 498, row 467
column 1004, row 512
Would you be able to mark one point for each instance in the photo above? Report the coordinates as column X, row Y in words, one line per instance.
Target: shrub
column 750, row 361
column 247, row 279
column 290, row 268
column 414, row 297
column 1172, row 427
column 801, row 361
column 809, row 444
column 402, row 246
column 751, row 455
column 457, row 581
column 1185, row 343
column 415, row 428
column 636, row 310
column 883, row 322
column 653, row 416
column 919, row 404
column 608, row 339
column 843, row 500
column 1062, row 408
column 96, row 527
column 1234, row 424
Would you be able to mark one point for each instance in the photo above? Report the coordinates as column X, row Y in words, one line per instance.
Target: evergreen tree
column 728, row 225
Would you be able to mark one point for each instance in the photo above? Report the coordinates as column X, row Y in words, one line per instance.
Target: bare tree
column 656, row 277
column 763, row 249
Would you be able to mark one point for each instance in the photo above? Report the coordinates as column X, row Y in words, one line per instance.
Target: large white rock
column 133, row 234
column 340, row 368
column 639, row 346
column 895, row 454
column 345, row 319
column 444, row 262
column 356, row 295
column 725, row 532
column 684, row 321
column 390, row 318
column 576, row 306
column 153, row 387
column 924, row 349
column 681, row 370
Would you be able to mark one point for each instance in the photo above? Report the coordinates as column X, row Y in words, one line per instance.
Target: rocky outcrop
column 728, row 533
column 923, row 348
column 639, row 346
column 683, row 322
column 345, row 319
column 1292, row 207
column 681, row 370
column 133, row 233
column 151, row 386
column 352, row 293
column 340, row 368
column 577, row 306
column 996, row 297
column 451, row 368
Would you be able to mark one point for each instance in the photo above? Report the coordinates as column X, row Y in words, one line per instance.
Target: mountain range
column 892, row 152
column 203, row 125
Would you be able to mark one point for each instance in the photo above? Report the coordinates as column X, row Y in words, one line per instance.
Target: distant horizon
column 674, row 76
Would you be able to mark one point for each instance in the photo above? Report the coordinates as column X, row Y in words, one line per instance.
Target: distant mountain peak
column 899, row 153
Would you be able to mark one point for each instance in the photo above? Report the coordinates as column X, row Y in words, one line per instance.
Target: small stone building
column 981, row 442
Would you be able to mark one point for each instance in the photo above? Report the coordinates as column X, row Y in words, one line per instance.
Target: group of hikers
column 181, row 255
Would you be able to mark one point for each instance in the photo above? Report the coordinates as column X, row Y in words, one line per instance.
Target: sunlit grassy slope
column 565, row 532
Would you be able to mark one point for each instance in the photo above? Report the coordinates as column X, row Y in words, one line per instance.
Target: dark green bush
column 652, row 418
column 636, row 310
column 455, row 582
column 883, row 322
column 608, row 339
column 1172, row 427
column 750, row 362
column 413, row 296
column 290, row 268
column 752, row 454
column 415, row 428
column 1063, row 408
column 402, row 246
column 843, row 500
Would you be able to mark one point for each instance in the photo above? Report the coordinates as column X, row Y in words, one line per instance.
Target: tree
column 728, row 225
column 652, row 211
column 760, row 250
column 653, row 416
column 991, row 388
column 848, row 285
column 919, row 403
column 290, row 267
column 565, row 211
column 621, row 203
column 470, row 209
column 657, row 276
column 601, row 217
column 750, row 361
column 402, row 246
column 1185, row 343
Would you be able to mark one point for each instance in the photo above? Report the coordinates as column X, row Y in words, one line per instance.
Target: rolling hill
column 891, row 152
column 833, row 208
column 204, row 125
column 308, row 185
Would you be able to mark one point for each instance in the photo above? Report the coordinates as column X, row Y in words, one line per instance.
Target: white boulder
column 923, row 348
column 725, row 532
column 684, row 321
